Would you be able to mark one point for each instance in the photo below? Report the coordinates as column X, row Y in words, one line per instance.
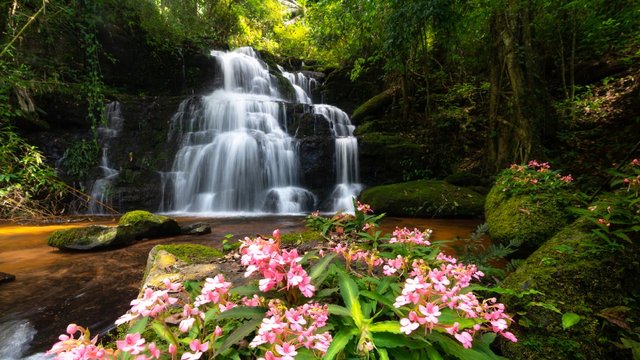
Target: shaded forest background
column 436, row 87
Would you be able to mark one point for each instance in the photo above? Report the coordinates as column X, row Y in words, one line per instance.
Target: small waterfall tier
column 235, row 154
column 346, row 157
column 100, row 191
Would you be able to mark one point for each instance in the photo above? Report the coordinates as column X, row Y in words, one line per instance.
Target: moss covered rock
column 86, row 238
column 574, row 274
column 524, row 219
column 179, row 263
column 142, row 224
column 424, row 198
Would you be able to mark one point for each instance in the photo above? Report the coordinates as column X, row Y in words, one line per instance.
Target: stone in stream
column 133, row 226
column 195, row 229
column 5, row 278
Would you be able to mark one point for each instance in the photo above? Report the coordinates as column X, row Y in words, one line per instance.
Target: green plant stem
column 31, row 19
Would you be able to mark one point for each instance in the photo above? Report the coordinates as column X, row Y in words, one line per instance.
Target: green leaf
column 247, row 290
column 139, row 326
column 305, row 354
column 386, row 326
column 163, row 332
column 453, row 347
column 326, row 292
column 432, row 353
column 339, row 342
column 569, row 319
column 383, row 300
column 390, row 340
column 240, row 333
column 382, row 352
column 350, row 295
column 448, row 317
column 339, row 310
column 243, row 312
column 320, row 268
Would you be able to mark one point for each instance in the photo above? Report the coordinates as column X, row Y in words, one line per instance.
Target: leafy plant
column 313, row 306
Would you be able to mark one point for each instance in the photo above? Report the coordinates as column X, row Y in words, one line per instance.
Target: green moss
column 296, row 238
column 191, row 253
column 143, row 224
column 137, row 216
column 424, row 198
column 374, row 106
column 572, row 276
column 83, row 238
column 530, row 221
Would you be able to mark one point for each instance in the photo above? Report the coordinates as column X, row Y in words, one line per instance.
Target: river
column 54, row 288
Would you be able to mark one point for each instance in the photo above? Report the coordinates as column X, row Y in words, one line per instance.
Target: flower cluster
column 431, row 291
column 633, row 182
column 406, row 236
column 82, row 347
column 285, row 330
column 151, row 304
column 533, row 177
column 279, row 268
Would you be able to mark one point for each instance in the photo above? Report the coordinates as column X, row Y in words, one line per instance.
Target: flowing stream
column 54, row 288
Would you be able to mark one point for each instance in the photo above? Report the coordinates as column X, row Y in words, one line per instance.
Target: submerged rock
column 424, row 198
column 573, row 272
column 5, row 278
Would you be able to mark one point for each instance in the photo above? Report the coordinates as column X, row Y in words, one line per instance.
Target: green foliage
column 616, row 214
column 28, row 186
column 81, row 158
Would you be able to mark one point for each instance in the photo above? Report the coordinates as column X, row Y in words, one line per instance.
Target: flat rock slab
column 195, row 229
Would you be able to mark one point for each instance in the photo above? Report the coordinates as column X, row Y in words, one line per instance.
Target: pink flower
column 430, row 312
column 154, row 351
column 218, row 331
column 567, row 178
column 191, row 356
column 464, row 338
column 509, row 336
column 132, row 343
column 186, row 324
column 287, row 351
column 195, row 345
column 172, row 349
column 364, row 208
column 635, row 162
column 407, row 326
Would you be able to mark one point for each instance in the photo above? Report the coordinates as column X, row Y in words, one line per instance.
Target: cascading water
column 106, row 132
column 235, row 153
column 346, row 158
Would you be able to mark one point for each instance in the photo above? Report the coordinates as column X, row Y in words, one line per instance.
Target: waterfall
column 235, row 154
column 100, row 191
column 346, row 158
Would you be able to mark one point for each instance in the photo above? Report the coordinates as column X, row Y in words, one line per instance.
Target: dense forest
column 486, row 83
column 525, row 113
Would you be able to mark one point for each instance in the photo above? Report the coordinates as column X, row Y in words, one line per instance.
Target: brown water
column 54, row 288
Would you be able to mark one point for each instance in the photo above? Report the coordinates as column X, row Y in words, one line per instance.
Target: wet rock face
column 195, row 229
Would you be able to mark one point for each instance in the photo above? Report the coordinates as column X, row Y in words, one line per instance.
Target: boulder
column 87, row 238
column 179, row 263
column 573, row 273
column 424, row 198
column 142, row 224
column 523, row 219
column 195, row 229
